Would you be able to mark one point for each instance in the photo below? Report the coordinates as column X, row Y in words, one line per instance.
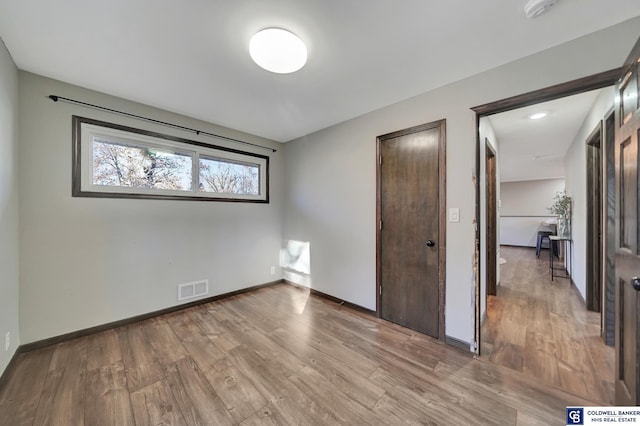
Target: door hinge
column 381, row 160
column 380, row 290
column 381, row 225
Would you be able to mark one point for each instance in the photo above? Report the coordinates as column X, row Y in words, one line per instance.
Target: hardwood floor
column 273, row 356
column 542, row 329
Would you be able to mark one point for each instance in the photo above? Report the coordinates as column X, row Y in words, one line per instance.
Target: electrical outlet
column 7, row 340
column 273, row 270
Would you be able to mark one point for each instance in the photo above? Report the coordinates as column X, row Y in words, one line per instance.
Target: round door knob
column 635, row 282
column 430, row 243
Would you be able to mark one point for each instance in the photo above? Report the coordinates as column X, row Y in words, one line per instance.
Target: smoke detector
column 535, row 8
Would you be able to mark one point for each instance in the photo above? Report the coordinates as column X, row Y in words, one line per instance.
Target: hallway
column 542, row 328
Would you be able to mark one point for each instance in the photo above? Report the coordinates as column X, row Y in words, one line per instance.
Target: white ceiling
column 191, row 56
column 535, row 149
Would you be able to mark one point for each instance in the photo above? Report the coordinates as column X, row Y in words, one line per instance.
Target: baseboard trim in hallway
column 459, row 344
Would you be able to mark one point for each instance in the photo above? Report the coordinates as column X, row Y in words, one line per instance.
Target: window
column 116, row 161
column 222, row 176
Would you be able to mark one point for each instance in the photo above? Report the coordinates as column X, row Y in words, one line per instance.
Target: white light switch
column 454, row 214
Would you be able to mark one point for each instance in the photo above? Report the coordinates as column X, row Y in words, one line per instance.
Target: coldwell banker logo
column 575, row 415
column 598, row 415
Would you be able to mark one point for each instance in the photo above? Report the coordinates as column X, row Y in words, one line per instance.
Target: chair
column 543, row 238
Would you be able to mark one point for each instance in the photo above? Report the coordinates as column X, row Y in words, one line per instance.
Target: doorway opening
column 532, row 324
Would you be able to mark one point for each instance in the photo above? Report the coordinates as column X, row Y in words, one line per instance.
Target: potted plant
column 561, row 207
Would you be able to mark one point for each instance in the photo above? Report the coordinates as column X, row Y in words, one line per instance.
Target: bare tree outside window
column 119, row 164
column 229, row 178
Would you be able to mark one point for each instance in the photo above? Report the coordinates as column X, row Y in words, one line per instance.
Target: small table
column 567, row 249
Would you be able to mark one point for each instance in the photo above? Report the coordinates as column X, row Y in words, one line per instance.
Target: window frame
column 84, row 130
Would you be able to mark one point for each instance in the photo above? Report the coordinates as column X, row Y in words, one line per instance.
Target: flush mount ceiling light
column 535, row 8
column 278, row 50
column 538, row 116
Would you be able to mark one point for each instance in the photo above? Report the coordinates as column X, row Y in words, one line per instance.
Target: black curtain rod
column 56, row 98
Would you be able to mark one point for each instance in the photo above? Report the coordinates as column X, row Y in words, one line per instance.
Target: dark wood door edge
column 593, row 252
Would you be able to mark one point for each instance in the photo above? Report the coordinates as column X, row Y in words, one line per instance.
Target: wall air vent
column 192, row 290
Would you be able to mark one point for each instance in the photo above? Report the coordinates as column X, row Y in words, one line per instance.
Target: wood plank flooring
column 541, row 328
column 274, row 356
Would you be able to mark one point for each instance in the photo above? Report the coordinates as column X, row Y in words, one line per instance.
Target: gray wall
column 575, row 165
column 524, row 209
column 89, row 261
column 8, row 205
column 529, row 197
column 331, row 185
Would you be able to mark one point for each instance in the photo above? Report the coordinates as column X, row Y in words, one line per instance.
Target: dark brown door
column 409, row 246
column 627, row 254
column 492, row 246
column 594, row 220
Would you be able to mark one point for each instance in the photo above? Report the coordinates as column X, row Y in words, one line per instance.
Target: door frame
column 573, row 87
column 491, row 206
column 595, row 215
column 442, row 223
column 609, row 232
